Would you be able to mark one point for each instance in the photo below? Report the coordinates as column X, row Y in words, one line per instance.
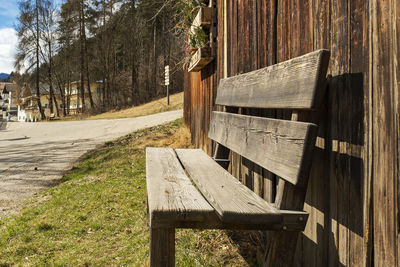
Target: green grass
column 97, row 216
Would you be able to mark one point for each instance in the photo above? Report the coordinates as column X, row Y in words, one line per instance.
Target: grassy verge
column 97, row 214
column 156, row 106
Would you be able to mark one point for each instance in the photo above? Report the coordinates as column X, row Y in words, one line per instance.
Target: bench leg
column 162, row 247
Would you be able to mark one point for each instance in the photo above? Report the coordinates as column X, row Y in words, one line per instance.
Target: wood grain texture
column 385, row 136
column 290, row 222
column 172, row 198
column 396, row 65
column 200, row 59
column 363, row 37
column 293, row 84
column 282, row 147
column 162, row 247
column 233, row 202
column 360, row 177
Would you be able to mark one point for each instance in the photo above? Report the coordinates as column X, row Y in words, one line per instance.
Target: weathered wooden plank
column 203, row 18
column 290, row 222
column 385, row 108
column 282, row 147
column 339, row 131
column 233, row 39
column 233, row 202
column 313, row 245
column 293, row 84
column 396, row 54
column 200, row 59
column 172, row 198
column 360, row 225
column 162, row 247
column 281, row 247
column 339, row 26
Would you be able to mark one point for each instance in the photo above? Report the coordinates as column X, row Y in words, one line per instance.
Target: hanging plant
column 198, row 37
column 188, row 12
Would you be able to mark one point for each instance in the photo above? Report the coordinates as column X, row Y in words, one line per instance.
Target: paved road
column 51, row 148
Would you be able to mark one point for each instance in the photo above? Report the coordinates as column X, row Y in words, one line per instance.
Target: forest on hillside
column 124, row 44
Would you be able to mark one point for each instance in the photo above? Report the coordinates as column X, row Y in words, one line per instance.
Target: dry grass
column 179, row 139
column 156, row 106
column 97, row 215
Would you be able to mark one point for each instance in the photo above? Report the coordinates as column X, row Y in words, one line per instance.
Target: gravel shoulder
column 34, row 156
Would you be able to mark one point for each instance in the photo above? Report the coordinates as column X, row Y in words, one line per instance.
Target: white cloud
column 8, row 47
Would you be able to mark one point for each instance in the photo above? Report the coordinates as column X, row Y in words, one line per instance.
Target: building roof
column 7, row 87
column 44, row 89
column 10, row 87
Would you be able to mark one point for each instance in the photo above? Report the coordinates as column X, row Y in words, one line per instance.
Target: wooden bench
column 283, row 147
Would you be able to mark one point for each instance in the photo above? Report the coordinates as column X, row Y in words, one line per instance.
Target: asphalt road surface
column 33, row 156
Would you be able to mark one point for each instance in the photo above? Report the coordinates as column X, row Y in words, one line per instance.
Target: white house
column 21, row 115
column 8, row 96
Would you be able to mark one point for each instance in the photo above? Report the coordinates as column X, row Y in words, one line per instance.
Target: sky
column 8, row 35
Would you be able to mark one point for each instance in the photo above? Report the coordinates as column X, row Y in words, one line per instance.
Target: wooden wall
column 353, row 194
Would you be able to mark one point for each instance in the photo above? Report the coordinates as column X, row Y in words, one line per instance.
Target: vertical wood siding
column 353, row 194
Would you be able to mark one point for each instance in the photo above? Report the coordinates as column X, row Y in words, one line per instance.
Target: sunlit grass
column 97, row 214
column 156, row 106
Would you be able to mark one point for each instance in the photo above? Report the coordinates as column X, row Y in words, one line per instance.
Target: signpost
column 167, row 81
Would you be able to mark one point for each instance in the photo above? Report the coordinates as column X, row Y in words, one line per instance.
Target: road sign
column 166, row 75
column 167, row 81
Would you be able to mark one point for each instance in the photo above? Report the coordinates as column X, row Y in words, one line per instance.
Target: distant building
column 28, row 109
column 27, row 99
column 73, row 90
column 8, row 99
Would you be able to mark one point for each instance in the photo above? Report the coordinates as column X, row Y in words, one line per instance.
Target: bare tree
column 48, row 29
column 28, row 30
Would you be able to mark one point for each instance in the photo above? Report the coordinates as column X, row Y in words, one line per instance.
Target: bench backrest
column 284, row 147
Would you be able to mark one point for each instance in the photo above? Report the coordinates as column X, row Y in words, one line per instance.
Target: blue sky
column 8, row 38
column 8, row 13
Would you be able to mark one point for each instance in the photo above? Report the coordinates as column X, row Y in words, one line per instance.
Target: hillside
column 4, row 76
column 156, row 106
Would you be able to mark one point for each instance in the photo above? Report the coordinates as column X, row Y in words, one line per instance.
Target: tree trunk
column 103, row 88
column 56, row 104
column 82, row 82
column 62, row 95
column 51, row 82
column 68, row 94
column 37, row 62
column 51, row 100
column 86, row 57
column 155, row 57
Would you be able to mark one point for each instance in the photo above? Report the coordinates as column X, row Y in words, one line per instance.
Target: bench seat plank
column 233, row 202
column 280, row 146
column 172, row 198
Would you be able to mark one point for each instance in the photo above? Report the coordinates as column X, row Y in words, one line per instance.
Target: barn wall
column 353, row 193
